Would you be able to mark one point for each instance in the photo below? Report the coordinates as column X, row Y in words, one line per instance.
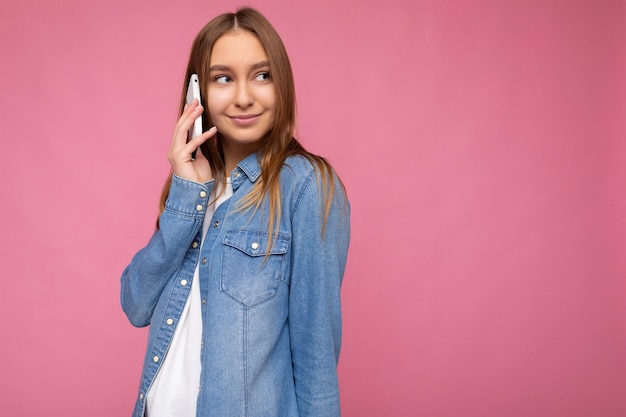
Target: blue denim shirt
column 271, row 327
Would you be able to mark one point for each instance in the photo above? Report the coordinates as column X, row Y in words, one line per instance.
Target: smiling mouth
column 245, row 119
column 244, row 116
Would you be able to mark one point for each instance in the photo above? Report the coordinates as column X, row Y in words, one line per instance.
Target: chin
column 246, row 137
column 242, row 140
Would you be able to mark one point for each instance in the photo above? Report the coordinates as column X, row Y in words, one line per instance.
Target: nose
column 244, row 97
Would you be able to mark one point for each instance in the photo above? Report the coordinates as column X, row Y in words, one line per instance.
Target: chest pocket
column 247, row 275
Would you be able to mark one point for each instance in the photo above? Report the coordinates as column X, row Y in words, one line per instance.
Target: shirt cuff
column 188, row 197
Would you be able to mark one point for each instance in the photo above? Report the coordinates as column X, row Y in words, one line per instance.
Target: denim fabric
column 271, row 326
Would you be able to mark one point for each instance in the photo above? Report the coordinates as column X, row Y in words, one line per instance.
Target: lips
column 245, row 119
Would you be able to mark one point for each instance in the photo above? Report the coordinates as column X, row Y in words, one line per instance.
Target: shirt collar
column 249, row 166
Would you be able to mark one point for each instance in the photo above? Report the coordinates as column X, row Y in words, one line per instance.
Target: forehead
column 237, row 48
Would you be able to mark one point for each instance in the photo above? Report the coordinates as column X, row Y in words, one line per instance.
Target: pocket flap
column 254, row 242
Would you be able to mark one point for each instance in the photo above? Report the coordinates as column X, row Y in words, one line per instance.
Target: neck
column 235, row 154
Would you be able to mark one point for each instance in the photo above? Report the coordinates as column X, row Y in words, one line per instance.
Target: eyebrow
column 258, row 65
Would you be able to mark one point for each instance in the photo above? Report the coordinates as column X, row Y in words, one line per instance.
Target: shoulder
column 299, row 164
column 296, row 176
column 297, row 172
column 308, row 166
column 306, row 169
column 312, row 176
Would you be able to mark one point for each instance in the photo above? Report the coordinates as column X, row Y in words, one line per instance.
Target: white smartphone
column 193, row 93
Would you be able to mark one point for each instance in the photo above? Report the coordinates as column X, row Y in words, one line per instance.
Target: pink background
column 483, row 144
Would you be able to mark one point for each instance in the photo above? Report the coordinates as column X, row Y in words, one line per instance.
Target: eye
column 222, row 79
column 262, row 76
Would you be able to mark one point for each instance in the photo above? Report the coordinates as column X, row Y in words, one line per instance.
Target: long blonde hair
column 280, row 142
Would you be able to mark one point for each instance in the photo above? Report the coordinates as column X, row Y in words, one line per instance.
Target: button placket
column 216, row 222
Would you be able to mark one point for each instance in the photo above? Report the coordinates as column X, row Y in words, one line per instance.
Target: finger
column 199, row 154
column 190, row 113
column 195, row 142
column 189, row 109
column 186, row 153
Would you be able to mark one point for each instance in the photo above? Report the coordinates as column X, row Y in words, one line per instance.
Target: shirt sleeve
column 318, row 262
column 150, row 269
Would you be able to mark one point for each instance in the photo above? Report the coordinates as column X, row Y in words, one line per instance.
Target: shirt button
column 169, row 322
column 194, row 245
column 202, row 194
column 216, row 223
column 255, row 245
column 183, row 282
column 199, row 207
column 237, row 174
column 203, row 261
column 204, row 301
column 141, row 396
column 155, row 359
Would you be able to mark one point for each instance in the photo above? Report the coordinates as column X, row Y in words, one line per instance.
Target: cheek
column 216, row 102
column 268, row 97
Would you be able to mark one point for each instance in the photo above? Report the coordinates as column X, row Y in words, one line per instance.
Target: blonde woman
column 240, row 282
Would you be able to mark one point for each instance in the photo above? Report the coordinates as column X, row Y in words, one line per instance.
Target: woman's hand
column 183, row 164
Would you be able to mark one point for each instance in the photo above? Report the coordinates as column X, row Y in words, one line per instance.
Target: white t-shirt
column 174, row 391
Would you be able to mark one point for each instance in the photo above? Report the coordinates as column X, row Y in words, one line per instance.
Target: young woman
column 240, row 282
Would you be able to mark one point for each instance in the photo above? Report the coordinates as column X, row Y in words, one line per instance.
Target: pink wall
column 483, row 144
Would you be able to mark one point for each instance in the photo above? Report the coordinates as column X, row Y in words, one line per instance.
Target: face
column 240, row 94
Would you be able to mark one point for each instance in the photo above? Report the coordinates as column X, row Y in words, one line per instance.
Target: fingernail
column 213, row 129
